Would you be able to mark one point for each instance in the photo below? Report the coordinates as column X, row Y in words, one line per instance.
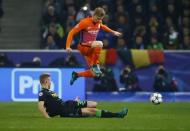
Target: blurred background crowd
column 145, row 24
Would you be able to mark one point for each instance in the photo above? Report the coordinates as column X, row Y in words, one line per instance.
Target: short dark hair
column 43, row 77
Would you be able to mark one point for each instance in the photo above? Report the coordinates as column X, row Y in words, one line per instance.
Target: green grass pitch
column 141, row 117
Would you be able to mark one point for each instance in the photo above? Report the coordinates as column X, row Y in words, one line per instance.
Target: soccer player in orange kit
column 88, row 45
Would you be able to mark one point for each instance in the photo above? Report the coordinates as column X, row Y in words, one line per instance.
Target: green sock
column 98, row 113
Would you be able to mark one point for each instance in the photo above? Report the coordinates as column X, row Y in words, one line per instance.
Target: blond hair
column 100, row 12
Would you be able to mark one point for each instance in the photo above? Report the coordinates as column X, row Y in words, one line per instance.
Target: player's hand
column 69, row 50
column 77, row 98
column 116, row 33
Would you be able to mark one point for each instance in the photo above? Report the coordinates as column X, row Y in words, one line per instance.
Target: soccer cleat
column 96, row 70
column 123, row 113
column 73, row 77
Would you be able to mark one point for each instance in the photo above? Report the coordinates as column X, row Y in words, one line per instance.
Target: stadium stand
column 154, row 24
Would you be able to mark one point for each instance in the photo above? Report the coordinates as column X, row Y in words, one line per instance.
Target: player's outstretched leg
column 74, row 77
column 103, row 113
column 108, row 114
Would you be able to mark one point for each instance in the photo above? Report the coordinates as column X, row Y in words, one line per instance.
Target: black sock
column 106, row 114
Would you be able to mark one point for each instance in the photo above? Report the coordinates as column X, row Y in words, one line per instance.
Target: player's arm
column 107, row 29
column 42, row 109
column 81, row 25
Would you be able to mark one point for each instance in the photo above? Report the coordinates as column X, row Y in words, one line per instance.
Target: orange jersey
column 88, row 31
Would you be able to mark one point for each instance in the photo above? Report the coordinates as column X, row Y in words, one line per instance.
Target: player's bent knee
column 91, row 104
column 97, row 44
column 95, row 104
column 88, row 111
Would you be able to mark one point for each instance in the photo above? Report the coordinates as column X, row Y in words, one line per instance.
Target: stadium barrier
column 177, row 62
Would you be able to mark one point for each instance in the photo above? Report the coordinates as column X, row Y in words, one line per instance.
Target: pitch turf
column 141, row 117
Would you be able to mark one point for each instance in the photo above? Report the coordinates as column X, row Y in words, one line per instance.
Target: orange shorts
column 88, row 53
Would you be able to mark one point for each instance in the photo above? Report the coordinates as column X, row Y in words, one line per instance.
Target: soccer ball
column 156, row 98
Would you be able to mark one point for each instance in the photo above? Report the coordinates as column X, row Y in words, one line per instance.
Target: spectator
column 132, row 7
column 155, row 12
column 106, row 82
column 129, row 79
column 155, row 44
column 153, row 22
column 83, row 12
column 168, row 23
column 139, row 16
column 172, row 38
column 106, row 43
column 50, row 43
column 4, row 61
column 164, row 81
column 53, row 3
column 71, row 11
column 121, row 11
column 186, row 43
column 69, row 2
column 185, row 31
column 121, row 44
column 51, row 16
column 138, row 43
column 122, row 25
column 171, row 11
column 57, row 32
column 154, row 33
column 71, row 61
column 186, row 12
column 185, row 22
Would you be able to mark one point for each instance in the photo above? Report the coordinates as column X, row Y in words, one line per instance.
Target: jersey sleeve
column 105, row 28
column 80, row 26
column 41, row 96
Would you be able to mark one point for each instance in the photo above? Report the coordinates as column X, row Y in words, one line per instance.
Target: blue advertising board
column 176, row 62
column 22, row 84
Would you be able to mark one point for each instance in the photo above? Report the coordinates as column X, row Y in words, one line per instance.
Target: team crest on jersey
column 88, row 28
column 94, row 32
column 40, row 94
